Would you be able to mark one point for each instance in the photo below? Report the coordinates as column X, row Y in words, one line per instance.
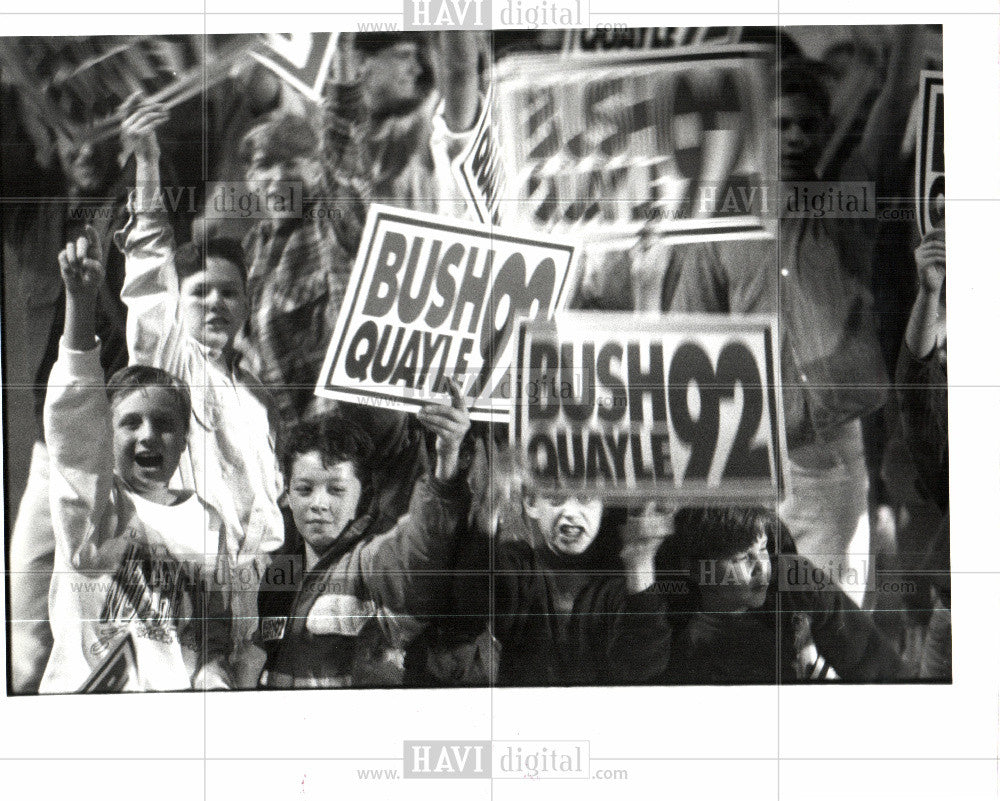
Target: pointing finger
column 93, row 242
column 81, row 248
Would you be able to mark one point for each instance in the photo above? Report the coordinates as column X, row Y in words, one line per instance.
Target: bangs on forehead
column 138, row 377
column 557, row 498
column 148, row 393
column 722, row 533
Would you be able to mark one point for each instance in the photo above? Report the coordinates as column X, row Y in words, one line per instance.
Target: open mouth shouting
column 570, row 533
column 149, row 460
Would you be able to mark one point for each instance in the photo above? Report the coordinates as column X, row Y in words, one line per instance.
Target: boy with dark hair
column 192, row 257
column 758, row 613
column 356, row 600
column 134, row 558
column 186, row 307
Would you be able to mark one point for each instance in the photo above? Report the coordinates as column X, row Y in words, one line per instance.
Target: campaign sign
column 604, row 145
column 578, row 40
column 680, row 406
column 300, row 59
column 431, row 297
column 75, row 84
column 479, row 171
column 930, row 153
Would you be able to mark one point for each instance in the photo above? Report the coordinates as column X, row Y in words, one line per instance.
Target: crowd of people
column 187, row 488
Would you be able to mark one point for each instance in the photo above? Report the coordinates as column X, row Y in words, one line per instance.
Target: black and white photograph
column 552, row 355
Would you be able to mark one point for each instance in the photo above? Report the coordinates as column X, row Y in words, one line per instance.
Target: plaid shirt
column 299, row 268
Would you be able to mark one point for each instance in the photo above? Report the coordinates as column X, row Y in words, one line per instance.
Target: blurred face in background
column 737, row 583
column 89, row 167
column 275, row 181
column 848, row 68
column 392, row 79
column 804, row 132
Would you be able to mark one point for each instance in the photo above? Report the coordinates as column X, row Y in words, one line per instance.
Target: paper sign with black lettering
column 479, row 171
column 301, row 59
column 75, row 85
column 431, row 297
column 590, row 40
column 679, row 406
column 930, row 152
column 601, row 145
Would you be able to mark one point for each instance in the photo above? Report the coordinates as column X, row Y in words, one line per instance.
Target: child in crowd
column 565, row 588
column 185, row 309
column 752, row 611
column 339, row 607
column 133, row 557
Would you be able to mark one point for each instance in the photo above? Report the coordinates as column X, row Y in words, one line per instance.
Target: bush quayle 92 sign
column 431, row 297
column 584, row 40
column 681, row 406
column 478, row 170
column 930, row 152
column 600, row 145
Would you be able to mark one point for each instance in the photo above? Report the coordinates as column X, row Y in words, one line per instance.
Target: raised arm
column 348, row 163
column 921, row 330
column 921, row 381
column 886, row 126
column 150, row 290
column 460, row 79
column 78, row 420
column 844, row 634
column 642, row 538
column 405, row 568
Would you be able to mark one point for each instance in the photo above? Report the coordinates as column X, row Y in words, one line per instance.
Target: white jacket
column 230, row 460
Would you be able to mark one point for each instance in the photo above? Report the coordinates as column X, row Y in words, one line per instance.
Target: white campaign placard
column 682, row 406
column 431, row 297
column 589, row 40
column 302, row 60
column 604, row 145
column 478, row 169
column 930, row 152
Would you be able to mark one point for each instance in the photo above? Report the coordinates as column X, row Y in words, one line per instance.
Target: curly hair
column 336, row 440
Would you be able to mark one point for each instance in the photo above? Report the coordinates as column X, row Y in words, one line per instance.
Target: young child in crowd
column 753, row 611
column 185, row 309
column 339, row 607
column 134, row 558
column 565, row 591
